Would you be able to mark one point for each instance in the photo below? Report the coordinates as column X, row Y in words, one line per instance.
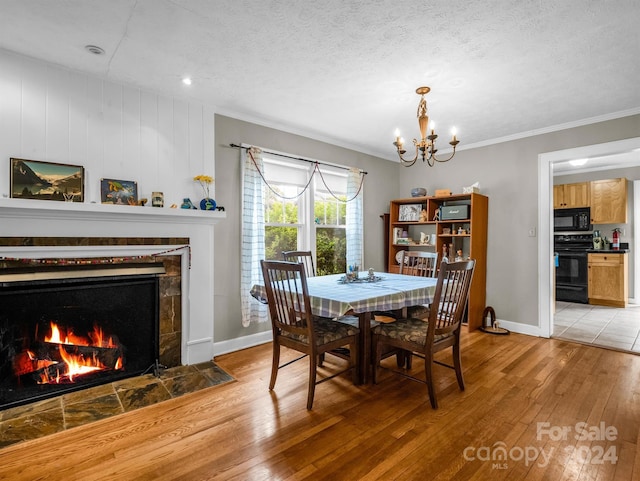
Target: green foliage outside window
column 331, row 251
column 331, row 242
column 279, row 239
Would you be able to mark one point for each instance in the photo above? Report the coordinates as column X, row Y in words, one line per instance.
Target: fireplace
column 65, row 328
column 46, row 230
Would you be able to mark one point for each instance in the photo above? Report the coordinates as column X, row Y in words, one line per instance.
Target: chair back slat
column 418, row 263
column 288, row 297
column 450, row 299
column 303, row 257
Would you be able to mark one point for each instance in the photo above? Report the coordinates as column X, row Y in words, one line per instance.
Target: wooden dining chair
column 304, row 257
column 295, row 327
column 439, row 332
column 419, row 263
column 423, row 264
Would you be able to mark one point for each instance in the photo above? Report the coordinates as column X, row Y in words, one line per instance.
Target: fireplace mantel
column 104, row 212
column 35, row 218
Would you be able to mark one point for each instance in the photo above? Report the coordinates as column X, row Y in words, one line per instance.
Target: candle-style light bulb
column 433, row 127
column 454, row 131
column 398, row 141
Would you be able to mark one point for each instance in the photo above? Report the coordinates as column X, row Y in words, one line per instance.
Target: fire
column 96, row 337
column 74, row 356
column 78, row 365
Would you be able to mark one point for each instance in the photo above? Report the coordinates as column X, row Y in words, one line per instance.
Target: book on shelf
column 397, row 234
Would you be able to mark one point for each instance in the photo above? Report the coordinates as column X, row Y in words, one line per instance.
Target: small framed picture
column 34, row 179
column 409, row 212
column 119, row 192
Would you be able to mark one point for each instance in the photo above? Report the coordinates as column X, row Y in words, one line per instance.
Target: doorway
column 546, row 267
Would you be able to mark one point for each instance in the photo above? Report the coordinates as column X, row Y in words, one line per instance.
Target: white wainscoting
column 115, row 131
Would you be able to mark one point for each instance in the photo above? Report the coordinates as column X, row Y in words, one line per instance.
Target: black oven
column 566, row 220
column 572, row 268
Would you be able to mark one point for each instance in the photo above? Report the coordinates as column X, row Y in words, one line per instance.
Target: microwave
column 578, row 219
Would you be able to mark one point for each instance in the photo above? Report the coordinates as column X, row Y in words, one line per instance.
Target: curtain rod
column 298, row 158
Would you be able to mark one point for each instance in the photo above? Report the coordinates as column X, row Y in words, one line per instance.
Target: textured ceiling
column 346, row 71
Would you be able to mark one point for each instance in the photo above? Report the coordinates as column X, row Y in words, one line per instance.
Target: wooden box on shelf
column 468, row 235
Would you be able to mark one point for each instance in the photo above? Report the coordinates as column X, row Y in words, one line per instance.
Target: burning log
column 49, row 362
column 50, row 374
column 64, row 356
column 103, row 356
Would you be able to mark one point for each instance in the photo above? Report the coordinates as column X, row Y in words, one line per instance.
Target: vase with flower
column 205, row 182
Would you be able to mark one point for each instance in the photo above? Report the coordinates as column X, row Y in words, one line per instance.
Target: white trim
column 636, row 241
column 545, row 207
column 519, row 328
column 239, row 343
column 22, row 208
column 552, row 128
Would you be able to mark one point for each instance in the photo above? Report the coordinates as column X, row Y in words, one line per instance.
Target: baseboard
column 520, row 328
column 224, row 347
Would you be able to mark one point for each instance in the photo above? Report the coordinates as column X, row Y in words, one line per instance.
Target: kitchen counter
column 610, row 251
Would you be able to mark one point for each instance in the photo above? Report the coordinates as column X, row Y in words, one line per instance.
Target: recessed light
column 186, row 81
column 94, row 49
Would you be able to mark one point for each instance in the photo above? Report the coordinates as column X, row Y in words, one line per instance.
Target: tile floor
column 611, row 327
column 41, row 418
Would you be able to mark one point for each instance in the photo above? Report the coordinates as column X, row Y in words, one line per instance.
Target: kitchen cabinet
column 416, row 217
column 608, row 279
column 567, row 196
column 609, row 201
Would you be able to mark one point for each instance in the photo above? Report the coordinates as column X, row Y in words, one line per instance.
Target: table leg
column 364, row 320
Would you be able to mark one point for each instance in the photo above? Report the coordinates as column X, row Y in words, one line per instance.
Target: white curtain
column 252, row 235
column 354, row 219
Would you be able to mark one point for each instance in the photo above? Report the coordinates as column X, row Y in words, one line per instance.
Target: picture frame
column 36, row 179
column 118, row 192
column 409, row 212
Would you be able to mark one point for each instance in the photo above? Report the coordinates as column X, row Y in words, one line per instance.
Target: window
column 282, row 219
column 311, row 219
column 330, row 215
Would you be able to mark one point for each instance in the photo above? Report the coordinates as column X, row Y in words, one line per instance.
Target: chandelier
column 426, row 147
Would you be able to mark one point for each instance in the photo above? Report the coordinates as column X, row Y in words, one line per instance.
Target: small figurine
column 424, row 217
column 459, row 255
column 187, row 204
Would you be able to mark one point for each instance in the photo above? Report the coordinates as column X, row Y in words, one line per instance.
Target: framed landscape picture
column 120, row 192
column 34, row 179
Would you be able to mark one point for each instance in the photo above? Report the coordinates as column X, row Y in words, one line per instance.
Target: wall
column 508, row 175
column 379, row 188
column 115, row 131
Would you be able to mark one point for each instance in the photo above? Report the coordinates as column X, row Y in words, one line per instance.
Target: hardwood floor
column 241, row 431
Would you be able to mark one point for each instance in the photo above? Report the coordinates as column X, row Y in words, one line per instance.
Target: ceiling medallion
column 426, row 147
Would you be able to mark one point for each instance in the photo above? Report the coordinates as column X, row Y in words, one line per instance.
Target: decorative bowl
column 418, row 192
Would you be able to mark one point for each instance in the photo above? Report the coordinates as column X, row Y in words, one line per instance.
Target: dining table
column 334, row 296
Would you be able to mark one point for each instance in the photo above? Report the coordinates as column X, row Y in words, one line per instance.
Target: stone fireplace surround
column 59, row 230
